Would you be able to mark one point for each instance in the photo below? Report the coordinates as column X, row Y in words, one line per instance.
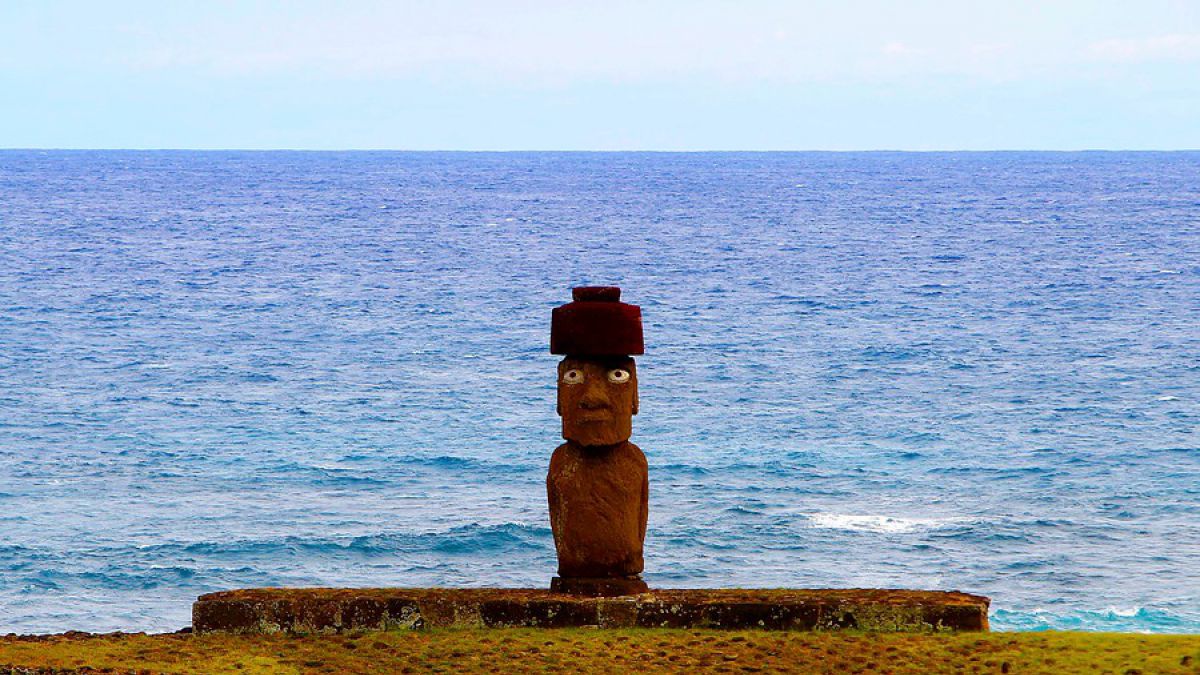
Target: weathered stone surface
column 676, row 613
column 596, row 323
column 271, row 610
column 597, row 486
column 617, row 612
column 598, row 509
column 597, row 399
column 598, row 587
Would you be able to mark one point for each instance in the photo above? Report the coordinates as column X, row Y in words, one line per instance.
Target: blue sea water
column 974, row 371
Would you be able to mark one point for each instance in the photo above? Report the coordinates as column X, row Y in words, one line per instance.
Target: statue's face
column 597, row 398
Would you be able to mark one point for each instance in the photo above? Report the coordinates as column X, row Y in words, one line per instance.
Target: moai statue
column 598, row 484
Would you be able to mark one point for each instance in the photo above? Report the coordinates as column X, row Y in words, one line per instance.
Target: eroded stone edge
column 333, row 610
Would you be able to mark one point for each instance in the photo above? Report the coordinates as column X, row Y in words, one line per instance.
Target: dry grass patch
column 600, row 651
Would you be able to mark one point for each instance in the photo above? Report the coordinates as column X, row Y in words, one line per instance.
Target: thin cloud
column 1175, row 47
column 902, row 49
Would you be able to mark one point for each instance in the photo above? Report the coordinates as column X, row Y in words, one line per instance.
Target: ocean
column 971, row 371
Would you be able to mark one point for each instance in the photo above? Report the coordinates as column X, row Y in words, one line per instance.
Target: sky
column 601, row 75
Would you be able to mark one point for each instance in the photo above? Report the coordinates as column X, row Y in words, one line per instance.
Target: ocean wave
column 1124, row 619
column 466, row 464
column 787, row 469
column 882, row 524
column 464, row 539
column 476, row 538
column 679, row 470
column 120, row 575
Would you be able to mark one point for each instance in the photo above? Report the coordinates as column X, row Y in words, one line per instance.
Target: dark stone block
column 365, row 613
column 279, row 612
column 538, row 613
column 598, row 587
column 837, row 617
column 562, row 613
column 770, row 616
column 657, row 614
column 955, row 617
column 447, row 610
column 330, row 609
column 317, row 614
column 596, row 323
column 504, row 613
column 403, row 612
column 230, row 615
column 617, row 613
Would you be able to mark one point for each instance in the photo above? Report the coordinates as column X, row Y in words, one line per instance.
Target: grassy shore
column 596, row 651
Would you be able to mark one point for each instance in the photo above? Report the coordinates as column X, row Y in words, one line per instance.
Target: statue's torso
column 598, row 506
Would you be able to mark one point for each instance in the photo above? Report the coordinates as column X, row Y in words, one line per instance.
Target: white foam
column 1168, row 398
column 877, row 523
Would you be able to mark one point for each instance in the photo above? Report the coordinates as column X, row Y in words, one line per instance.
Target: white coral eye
column 618, row 376
column 572, row 376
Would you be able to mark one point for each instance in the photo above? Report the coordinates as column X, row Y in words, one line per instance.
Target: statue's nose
column 595, row 396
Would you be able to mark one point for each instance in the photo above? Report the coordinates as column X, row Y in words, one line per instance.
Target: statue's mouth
column 593, row 416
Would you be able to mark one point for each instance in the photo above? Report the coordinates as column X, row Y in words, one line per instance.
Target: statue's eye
column 573, row 376
column 618, row 376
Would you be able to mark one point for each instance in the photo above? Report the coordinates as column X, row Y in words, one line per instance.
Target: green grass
column 525, row 650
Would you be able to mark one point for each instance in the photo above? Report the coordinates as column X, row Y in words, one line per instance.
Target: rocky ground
column 598, row 651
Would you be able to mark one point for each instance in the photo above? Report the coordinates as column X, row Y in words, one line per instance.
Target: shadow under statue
column 598, row 485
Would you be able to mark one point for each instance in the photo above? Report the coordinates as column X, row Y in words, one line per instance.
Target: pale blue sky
column 601, row 75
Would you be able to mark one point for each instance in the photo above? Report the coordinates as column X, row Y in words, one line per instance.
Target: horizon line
column 595, row 151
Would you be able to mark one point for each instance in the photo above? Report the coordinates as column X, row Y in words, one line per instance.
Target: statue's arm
column 645, row 499
column 551, row 484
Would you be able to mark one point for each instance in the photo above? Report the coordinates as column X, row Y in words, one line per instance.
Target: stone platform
column 307, row 610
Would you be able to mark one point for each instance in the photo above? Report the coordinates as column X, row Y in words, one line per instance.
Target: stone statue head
column 597, row 381
column 597, row 399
